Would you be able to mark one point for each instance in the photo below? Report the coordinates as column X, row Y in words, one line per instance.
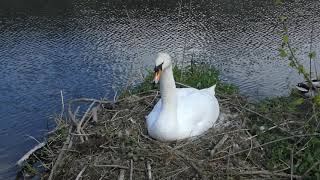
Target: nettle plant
column 286, row 51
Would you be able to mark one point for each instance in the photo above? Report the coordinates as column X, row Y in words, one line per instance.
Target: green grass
column 197, row 76
column 305, row 151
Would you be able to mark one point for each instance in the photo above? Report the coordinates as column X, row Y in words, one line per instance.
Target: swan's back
column 197, row 111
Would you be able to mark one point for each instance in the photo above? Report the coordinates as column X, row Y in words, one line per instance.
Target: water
column 94, row 48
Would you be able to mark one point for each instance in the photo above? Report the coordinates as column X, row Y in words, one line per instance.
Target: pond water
column 95, row 48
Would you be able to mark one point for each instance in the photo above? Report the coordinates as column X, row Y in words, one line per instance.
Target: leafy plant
column 197, row 76
column 290, row 117
column 286, row 51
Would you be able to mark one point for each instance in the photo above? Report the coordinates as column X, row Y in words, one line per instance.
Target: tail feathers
column 212, row 89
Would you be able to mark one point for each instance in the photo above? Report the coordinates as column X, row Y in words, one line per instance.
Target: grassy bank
column 273, row 139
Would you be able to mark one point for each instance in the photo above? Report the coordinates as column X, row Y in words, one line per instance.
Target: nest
column 111, row 141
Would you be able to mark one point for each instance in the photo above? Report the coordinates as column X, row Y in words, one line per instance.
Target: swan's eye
column 157, row 68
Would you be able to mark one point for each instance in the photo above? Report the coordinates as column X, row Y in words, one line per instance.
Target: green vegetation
column 288, row 52
column 293, row 117
column 197, row 76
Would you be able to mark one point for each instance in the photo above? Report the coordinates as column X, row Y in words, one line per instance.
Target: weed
column 197, row 76
column 292, row 115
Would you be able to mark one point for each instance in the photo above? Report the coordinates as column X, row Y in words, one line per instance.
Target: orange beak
column 157, row 76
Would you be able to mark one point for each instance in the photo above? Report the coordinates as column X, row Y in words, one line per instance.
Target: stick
column 220, row 143
column 184, row 85
column 111, row 166
column 76, row 134
column 264, row 172
column 54, row 130
column 291, row 158
column 89, row 100
column 81, row 172
column 95, row 114
column 131, row 169
column 115, row 97
column 275, row 125
column 149, row 171
column 313, row 166
column 85, row 115
column 39, row 143
column 28, row 154
column 62, row 103
column 67, row 144
column 121, row 174
column 267, row 143
column 228, row 163
column 79, row 125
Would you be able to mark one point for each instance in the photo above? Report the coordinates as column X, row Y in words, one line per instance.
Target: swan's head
column 303, row 87
column 163, row 61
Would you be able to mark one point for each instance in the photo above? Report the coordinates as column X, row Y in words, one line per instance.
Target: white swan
column 181, row 112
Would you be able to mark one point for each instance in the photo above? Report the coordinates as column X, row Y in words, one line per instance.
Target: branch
column 81, row 172
column 67, row 145
column 267, row 143
column 28, row 154
column 264, row 172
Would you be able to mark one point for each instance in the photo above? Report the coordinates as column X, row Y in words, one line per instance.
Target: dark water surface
column 93, row 48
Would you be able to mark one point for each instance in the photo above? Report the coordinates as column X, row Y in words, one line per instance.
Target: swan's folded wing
column 197, row 112
column 154, row 114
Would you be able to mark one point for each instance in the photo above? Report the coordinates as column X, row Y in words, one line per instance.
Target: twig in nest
column 76, row 134
column 72, row 116
column 251, row 139
column 115, row 115
column 81, row 172
column 188, row 161
column 83, row 133
column 291, row 168
column 41, row 162
column 136, row 100
column 267, row 143
column 62, row 104
column 67, row 144
column 49, row 150
column 111, row 166
column 150, row 104
column 184, row 85
column 89, row 100
column 27, row 155
column 131, row 169
column 228, row 163
column 95, row 114
column 264, row 172
column 218, row 146
column 79, row 125
column 251, row 145
column 149, row 175
column 121, row 174
column 55, row 129
column 313, row 166
column 275, row 125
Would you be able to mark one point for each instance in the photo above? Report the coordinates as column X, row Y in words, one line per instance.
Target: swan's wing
column 154, row 114
column 184, row 92
column 197, row 111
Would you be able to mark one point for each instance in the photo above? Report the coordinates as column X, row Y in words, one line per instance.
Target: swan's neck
column 168, row 91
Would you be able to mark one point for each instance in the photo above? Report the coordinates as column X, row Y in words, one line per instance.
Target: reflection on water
column 94, row 48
